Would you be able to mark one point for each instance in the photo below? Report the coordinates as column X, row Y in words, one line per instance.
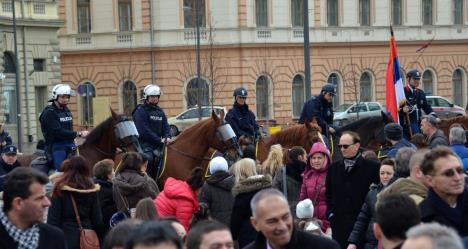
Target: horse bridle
column 126, row 128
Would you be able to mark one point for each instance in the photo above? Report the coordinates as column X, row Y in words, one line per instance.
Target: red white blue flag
column 394, row 81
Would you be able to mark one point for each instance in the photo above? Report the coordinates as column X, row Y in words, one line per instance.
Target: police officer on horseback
column 410, row 114
column 153, row 129
column 320, row 107
column 57, row 126
column 241, row 119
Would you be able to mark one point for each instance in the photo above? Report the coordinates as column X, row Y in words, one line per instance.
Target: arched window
column 196, row 89
column 129, row 97
column 457, row 81
column 428, row 82
column 298, row 95
column 365, row 87
column 86, row 92
column 335, row 80
column 8, row 62
column 262, row 90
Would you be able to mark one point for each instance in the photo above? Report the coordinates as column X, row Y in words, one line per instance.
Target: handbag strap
column 76, row 212
column 285, row 187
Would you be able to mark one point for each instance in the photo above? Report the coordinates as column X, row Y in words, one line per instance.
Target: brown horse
column 446, row 124
column 188, row 150
column 105, row 141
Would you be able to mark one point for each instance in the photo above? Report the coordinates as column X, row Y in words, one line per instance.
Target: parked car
column 444, row 108
column 347, row 113
column 189, row 117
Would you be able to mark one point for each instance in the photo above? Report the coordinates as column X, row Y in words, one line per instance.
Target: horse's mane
column 448, row 122
column 198, row 126
column 360, row 122
column 290, row 135
column 97, row 133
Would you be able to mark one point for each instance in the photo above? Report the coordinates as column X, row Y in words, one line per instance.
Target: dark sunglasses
column 452, row 172
column 345, row 146
column 242, row 97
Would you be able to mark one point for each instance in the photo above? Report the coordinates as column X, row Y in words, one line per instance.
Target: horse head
column 125, row 133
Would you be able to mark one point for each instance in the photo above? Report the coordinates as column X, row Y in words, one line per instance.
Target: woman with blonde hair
column 273, row 162
column 243, row 168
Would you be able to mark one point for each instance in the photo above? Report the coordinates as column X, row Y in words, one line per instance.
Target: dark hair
column 388, row 161
column 132, row 161
column 102, row 169
column 402, row 159
column 17, row 184
column 419, row 140
column 395, row 214
column 153, row 233
column 195, row 236
column 294, row 153
column 196, row 179
column 354, row 135
column 427, row 165
column 146, row 210
column 370, row 155
column 76, row 175
column 117, row 237
column 249, row 152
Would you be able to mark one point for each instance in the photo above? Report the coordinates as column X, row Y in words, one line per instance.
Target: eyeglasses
column 242, row 97
column 344, row 146
column 452, row 172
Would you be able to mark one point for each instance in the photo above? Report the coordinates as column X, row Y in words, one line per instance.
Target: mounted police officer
column 410, row 110
column 57, row 125
column 152, row 126
column 320, row 107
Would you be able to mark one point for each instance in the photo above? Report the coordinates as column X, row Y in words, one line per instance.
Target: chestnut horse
column 188, row 150
column 104, row 141
column 446, row 124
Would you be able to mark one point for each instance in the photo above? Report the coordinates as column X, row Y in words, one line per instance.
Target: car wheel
column 174, row 130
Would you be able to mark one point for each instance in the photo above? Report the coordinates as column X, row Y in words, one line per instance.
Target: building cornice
column 33, row 22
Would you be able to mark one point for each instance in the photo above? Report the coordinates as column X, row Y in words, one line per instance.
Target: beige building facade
column 106, row 49
column 39, row 64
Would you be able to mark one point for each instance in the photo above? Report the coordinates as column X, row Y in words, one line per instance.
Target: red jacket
column 177, row 200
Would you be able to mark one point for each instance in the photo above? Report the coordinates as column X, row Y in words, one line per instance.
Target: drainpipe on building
column 306, row 50
column 17, row 81
column 26, row 76
column 151, row 42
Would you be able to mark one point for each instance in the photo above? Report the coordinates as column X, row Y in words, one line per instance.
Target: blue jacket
column 242, row 121
column 318, row 107
column 4, row 170
column 462, row 152
column 151, row 124
column 401, row 144
column 57, row 124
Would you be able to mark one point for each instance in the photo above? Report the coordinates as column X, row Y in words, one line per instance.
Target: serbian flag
column 394, row 81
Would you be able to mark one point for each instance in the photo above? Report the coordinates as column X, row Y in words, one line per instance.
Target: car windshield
column 342, row 107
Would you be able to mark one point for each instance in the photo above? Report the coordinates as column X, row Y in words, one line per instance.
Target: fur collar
column 252, row 183
column 95, row 189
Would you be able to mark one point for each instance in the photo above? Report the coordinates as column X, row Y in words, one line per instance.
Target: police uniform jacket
column 416, row 97
column 57, row 124
column 319, row 108
column 242, row 121
column 151, row 124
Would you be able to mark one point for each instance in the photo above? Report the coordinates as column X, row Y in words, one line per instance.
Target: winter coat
column 5, row 140
column 216, row 192
column 130, row 186
column 346, row 192
column 400, row 144
column 462, row 152
column 57, row 124
column 434, row 209
column 318, row 107
column 107, row 204
column 50, row 237
column 313, row 185
column 4, row 170
column 177, row 200
column 298, row 240
column 151, row 123
column 243, row 192
column 406, row 186
column 62, row 215
column 437, row 139
column 365, row 221
column 242, row 121
column 293, row 173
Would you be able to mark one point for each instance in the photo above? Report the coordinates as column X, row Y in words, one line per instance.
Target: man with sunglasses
column 241, row 119
column 320, row 107
column 447, row 197
column 57, row 126
column 347, row 183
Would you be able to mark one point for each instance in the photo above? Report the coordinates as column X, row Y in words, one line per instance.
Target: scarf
column 454, row 215
column 349, row 162
column 295, row 170
column 27, row 239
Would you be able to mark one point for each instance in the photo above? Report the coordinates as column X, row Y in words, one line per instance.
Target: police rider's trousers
column 60, row 152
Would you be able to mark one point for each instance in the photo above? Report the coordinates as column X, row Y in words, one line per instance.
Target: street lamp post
column 306, row 49
column 199, row 90
column 17, row 85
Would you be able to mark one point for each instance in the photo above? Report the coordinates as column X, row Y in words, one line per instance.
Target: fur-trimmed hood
column 94, row 189
column 252, row 183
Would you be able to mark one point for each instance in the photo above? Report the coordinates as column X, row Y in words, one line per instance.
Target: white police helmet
column 151, row 90
column 61, row 89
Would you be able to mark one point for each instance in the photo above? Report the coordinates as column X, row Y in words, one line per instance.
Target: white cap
column 62, row 89
column 151, row 90
column 305, row 209
column 218, row 164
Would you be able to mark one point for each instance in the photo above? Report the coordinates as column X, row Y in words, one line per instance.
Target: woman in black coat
column 103, row 175
column 75, row 182
column 362, row 235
